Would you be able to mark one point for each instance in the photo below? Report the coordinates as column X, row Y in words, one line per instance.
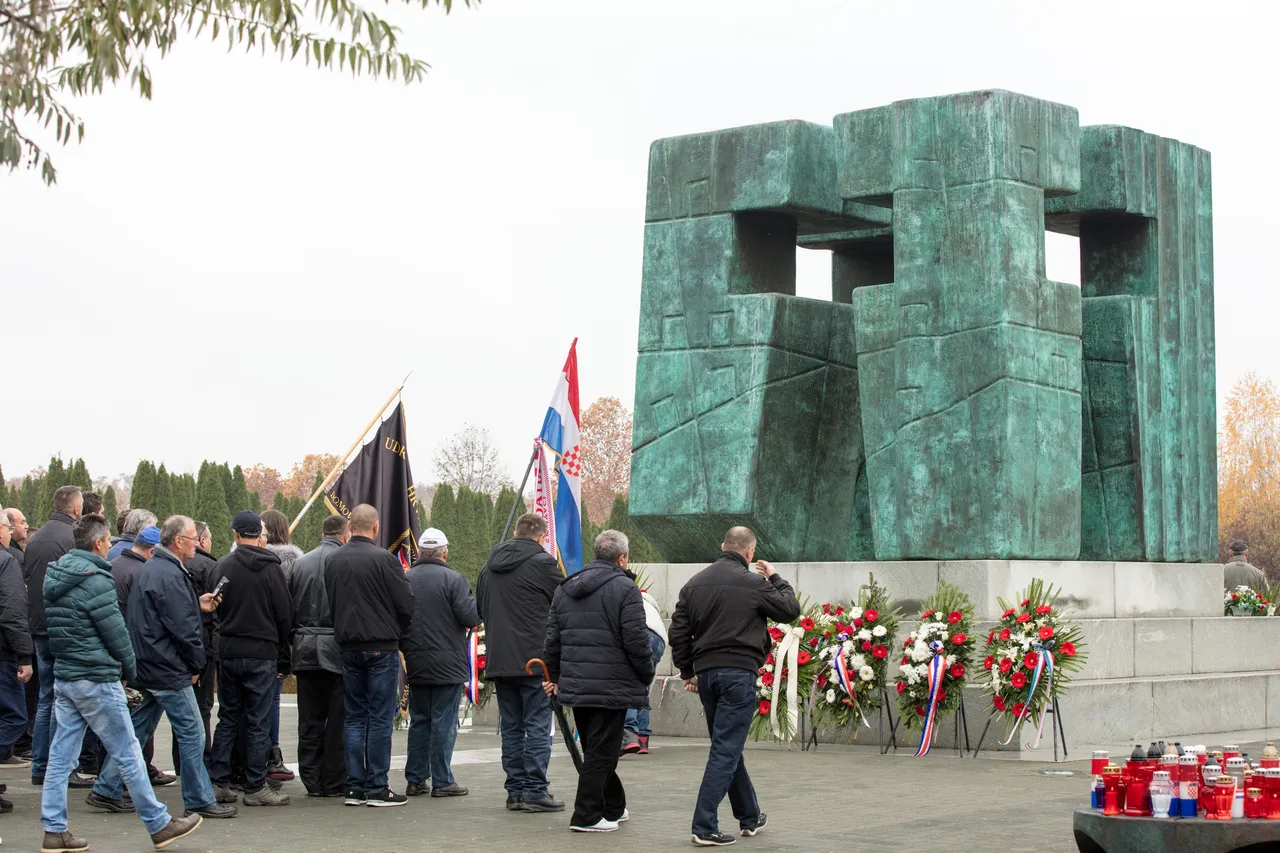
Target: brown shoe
column 179, row 827
column 63, row 842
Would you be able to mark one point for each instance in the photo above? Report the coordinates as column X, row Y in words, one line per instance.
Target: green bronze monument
column 950, row 402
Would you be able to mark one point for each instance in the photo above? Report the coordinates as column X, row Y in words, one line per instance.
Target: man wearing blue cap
column 142, row 542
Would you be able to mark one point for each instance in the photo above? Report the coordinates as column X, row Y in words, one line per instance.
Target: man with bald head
column 372, row 606
column 18, row 533
column 719, row 640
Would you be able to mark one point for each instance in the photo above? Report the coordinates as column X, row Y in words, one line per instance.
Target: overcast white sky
column 245, row 267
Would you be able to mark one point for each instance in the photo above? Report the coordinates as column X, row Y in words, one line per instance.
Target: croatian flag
column 560, row 437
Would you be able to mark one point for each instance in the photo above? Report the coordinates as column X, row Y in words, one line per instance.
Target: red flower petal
column 1029, row 660
column 998, row 702
column 1069, row 649
column 1019, row 680
column 1046, row 632
column 1005, row 634
column 1024, row 617
column 866, row 645
column 902, row 688
column 1005, row 664
column 806, row 623
column 803, row 658
column 989, row 662
column 954, row 616
column 957, row 670
column 920, row 710
column 765, row 705
column 959, row 639
column 880, row 652
column 870, row 615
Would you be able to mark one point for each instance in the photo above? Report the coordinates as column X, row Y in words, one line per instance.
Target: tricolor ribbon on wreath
column 937, row 672
column 1044, row 669
column 787, row 668
column 841, row 669
column 473, row 668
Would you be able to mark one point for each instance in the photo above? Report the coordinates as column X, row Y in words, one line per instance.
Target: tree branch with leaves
column 48, row 49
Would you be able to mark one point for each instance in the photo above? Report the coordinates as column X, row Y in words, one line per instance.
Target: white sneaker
column 602, row 826
column 626, row 815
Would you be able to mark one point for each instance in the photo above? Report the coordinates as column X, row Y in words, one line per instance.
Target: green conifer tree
column 211, row 506
column 239, row 491
column 422, row 515
column 228, row 484
column 43, row 503
column 143, row 493
column 27, row 499
column 109, row 508
column 57, row 474
column 589, row 534
column 78, row 475
column 502, row 511
column 442, row 509
column 310, row 530
column 163, row 495
column 184, row 495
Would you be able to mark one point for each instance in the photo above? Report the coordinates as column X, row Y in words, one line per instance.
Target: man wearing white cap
column 435, row 654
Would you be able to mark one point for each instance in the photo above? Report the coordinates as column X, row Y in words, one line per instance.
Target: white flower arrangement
column 878, row 631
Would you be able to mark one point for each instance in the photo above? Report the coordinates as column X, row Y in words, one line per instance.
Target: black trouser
column 204, row 690
column 322, row 763
column 246, row 688
column 600, row 793
column 32, row 688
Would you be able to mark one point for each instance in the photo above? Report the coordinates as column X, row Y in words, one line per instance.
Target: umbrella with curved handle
column 566, row 731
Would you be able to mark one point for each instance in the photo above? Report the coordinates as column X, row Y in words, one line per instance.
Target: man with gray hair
column 599, row 663
column 435, row 656
column 166, row 632
column 134, row 521
column 18, row 533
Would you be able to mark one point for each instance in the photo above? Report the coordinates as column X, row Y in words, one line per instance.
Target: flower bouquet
column 477, row 690
column 935, row 661
column 851, row 684
column 1243, row 601
column 1031, row 655
column 788, row 675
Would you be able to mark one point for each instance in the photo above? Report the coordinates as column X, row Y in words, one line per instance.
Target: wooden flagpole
column 342, row 461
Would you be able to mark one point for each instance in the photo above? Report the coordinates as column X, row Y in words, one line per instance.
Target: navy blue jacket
column 165, row 627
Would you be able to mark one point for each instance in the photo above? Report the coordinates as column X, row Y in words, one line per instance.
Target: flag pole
column 537, row 448
column 342, row 460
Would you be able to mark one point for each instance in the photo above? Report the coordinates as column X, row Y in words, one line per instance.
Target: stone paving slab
column 833, row 799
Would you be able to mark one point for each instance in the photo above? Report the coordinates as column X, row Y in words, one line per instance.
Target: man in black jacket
column 719, row 640
column 372, row 608
column 599, row 662
column 15, row 650
column 435, row 656
column 514, row 594
column 124, row 571
column 17, row 534
column 17, row 543
column 165, row 630
column 46, row 546
column 255, row 620
column 202, row 567
column 322, row 760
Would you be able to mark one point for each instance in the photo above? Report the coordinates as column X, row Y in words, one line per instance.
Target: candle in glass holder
column 1162, row 793
column 1253, row 803
column 1111, row 781
column 1224, row 794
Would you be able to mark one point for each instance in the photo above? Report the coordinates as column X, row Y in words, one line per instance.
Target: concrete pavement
column 837, row 798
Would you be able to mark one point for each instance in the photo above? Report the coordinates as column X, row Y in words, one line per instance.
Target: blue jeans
column 729, row 702
column 46, row 725
column 188, row 731
column 524, row 713
column 246, row 690
column 103, row 709
column 371, row 693
column 13, row 706
column 433, row 730
column 638, row 718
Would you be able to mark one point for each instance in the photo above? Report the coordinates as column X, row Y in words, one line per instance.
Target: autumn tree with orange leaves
column 302, row 478
column 264, row 480
column 606, row 455
column 1249, row 472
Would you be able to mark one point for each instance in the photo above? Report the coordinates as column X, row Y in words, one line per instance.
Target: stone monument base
column 1163, row 663
column 1097, row 834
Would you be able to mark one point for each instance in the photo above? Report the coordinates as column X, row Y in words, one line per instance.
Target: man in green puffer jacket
column 91, row 652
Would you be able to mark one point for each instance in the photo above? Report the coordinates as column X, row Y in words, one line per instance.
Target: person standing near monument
column 514, row 593
column 372, row 609
column 1238, row 571
column 719, row 640
column 276, row 525
column 15, row 654
column 599, row 662
column 435, row 656
column 46, row 546
column 317, row 664
column 202, row 566
column 17, row 534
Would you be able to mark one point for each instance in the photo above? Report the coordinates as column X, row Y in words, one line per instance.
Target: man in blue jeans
column 91, row 651
column 372, row 608
column 255, row 622
column 436, row 663
column 166, row 630
column 514, row 593
column 46, row 546
column 719, row 640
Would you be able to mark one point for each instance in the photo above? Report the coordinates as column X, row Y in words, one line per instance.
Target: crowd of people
column 101, row 635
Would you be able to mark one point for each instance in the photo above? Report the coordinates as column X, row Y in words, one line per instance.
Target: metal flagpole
column 342, row 461
column 537, row 448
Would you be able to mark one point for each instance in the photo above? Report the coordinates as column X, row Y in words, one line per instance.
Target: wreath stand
column 1053, row 709
column 960, row 717
column 886, row 708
